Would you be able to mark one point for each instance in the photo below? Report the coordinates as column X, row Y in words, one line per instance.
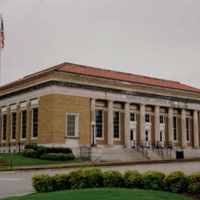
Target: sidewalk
column 98, row 164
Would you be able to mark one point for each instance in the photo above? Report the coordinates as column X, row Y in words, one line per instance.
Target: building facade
column 73, row 105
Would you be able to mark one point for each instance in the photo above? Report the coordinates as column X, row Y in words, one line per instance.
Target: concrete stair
column 117, row 154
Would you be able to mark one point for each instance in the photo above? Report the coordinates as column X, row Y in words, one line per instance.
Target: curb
column 99, row 164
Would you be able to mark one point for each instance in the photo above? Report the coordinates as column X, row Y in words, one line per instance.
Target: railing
column 12, row 148
column 166, row 149
column 141, row 147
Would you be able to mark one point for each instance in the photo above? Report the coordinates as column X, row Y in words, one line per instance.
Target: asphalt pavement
column 15, row 183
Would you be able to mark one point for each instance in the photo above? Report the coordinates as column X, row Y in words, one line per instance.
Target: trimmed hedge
column 86, row 178
column 49, row 153
column 176, row 181
column 153, row 180
column 61, row 182
column 42, row 183
column 194, row 182
column 132, row 179
column 113, row 179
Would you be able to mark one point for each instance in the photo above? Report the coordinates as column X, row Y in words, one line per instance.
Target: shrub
column 132, row 179
column 112, row 178
column 78, row 179
column 31, row 146
column 94, row 177
column 30, row 153
column 58, row 150
column 41, row 150
column 194, row 183
column 42, row 183
column 70, row 156
column 153, row 180
column 54, row 156
column 176, row 182
column 61, row 182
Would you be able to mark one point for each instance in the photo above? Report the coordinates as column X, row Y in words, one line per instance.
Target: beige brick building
column 75, row 106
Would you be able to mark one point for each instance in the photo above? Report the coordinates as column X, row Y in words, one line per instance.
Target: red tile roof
column 107, row 74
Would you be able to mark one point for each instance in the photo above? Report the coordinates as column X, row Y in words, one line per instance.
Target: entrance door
column 148, row 137
column 133, row 137
column 162, row 138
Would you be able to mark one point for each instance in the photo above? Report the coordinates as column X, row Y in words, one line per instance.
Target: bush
column 153, row 180
column 58, row 150
column 112, row 178
column 78, row 179
column 132, row 179
column 41, row 150
column 94, row 177
column 54, row 156
column 42, row 183
column 61, row 182
column 194, row 183
column 30, row 153
column 31, row 146
column 70, row 156
column 176, row 182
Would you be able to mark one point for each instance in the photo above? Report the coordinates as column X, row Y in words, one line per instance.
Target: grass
column 19, row 159
column 103, row 194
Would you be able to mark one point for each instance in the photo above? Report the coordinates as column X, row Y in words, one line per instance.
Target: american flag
column 2, row 34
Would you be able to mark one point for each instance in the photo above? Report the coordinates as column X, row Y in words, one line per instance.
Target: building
column 78, row 106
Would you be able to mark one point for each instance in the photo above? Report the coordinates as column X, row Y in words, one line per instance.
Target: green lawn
column 19, row 159
column 103, row 194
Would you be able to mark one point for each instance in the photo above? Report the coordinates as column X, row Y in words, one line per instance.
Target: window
column 175, row 131
column 132, row 117
column 188, row 129
column 23, row 124
column 34, row 122
column 13, row 125
column 161, row 119
column 4, row 126
column 71, row 125
column 147, row 118
column 116, row 124
column 99, row 123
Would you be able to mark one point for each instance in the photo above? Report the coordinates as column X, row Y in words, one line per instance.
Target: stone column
column 170, row 125
column 127, row 124
column 157, row 124
column 196, row 129
column 183, row 129
column 110, row 123
column 92, row 123
column 142, row 122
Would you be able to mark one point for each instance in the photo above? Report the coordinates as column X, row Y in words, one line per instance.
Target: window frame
column 147, row 118
column 132, row 116
column 116, row 126
column 34, row 123
column 13, row 126
column 98, row 124
column 76, row 125
column 188, row 132
column 175, row 128
column 4, row 127
column 162, row 119
column 22, row 125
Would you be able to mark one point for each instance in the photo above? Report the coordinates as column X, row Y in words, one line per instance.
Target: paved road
column 19, row 183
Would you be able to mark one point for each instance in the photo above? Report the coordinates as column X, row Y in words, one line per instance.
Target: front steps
column 121, row 154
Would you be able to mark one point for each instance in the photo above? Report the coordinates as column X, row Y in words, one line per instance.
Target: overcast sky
column 157, row 38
